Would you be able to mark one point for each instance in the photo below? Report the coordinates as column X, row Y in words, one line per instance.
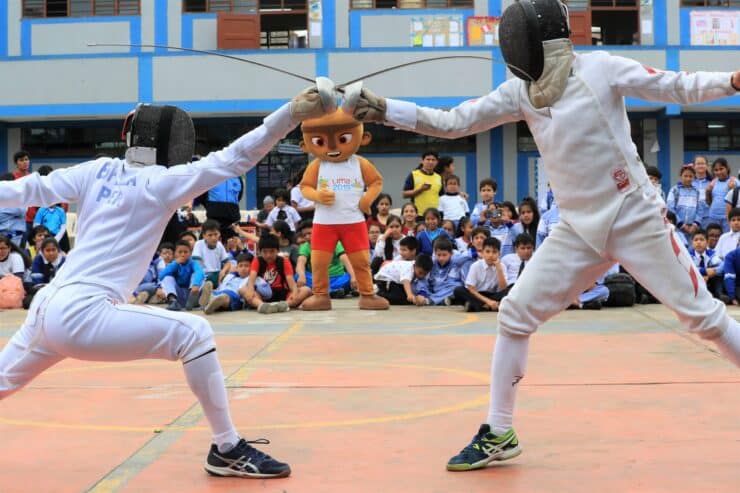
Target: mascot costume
column 343, row 185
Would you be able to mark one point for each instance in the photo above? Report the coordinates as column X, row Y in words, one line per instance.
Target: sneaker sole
column 224, row 472
column 205, row 295
column 501, row 456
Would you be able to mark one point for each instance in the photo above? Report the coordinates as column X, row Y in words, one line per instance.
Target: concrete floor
column 613, row 401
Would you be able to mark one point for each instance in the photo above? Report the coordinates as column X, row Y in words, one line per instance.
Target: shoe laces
column 245, row 448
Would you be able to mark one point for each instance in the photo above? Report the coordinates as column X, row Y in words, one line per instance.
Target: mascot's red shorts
column 324, row 237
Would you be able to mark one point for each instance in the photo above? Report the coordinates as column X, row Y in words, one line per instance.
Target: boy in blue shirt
column 487, row 191
column 227, row 296
column 731, row 267
column 54, row 219
column 709, row 265
column 182, row 279
column 447, row 273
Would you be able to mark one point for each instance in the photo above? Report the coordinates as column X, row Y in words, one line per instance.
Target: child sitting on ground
column 388, row 245
column 227, row 296
column 182, row 280
column 485, row 284
column 447, row 272
column 341, row 276
column 277, row 271
column 404, row 282
column 210, row 253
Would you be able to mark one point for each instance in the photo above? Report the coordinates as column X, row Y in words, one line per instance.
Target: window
column 615, row 22
column 387, row 140
column 711, row 135
column 245, row 6
column 73, row 141
column 412, row 4
column 710, row 3
column 79, row 8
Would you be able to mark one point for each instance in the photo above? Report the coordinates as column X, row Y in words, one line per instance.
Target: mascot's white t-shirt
column 345, row 180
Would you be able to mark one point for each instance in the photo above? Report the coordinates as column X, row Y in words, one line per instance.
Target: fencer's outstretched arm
column 630, row 78
column 63, row 185
column 470, row 117
column 178, row 184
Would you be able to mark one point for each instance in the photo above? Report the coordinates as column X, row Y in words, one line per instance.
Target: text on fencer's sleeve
column 470, row 117
column 180, row 183
column 34, row 190
column 631, row 78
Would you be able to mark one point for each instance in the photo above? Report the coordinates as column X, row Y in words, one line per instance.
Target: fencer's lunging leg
column 562, row 269
column 206, row 380
column 507, row 369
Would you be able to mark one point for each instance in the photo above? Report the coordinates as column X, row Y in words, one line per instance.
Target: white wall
column 205, row 34
column 174, row 22
column 59, row 39
column 342, row 23
column 14, row 28
column 147, row 23
column 673, row 15
column 199, row 78
column 443, row 78
column 88, row 80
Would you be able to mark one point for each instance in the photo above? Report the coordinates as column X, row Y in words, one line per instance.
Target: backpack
column 621, row 288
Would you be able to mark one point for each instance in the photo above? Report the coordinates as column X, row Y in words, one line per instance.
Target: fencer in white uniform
column 123, row 208
column 574, row 106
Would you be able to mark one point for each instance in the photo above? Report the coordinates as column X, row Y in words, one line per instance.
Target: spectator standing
column 716, row 192
column 300, row 203
column 683, row 200
column 423, row 185
column 702, row 179
column 222, row 204
column 12, row 219
column 268, row 204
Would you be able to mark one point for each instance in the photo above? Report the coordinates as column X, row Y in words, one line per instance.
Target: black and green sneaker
column 484, row 449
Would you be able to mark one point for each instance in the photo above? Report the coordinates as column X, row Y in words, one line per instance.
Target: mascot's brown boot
column 319, row 300
column 368, row 299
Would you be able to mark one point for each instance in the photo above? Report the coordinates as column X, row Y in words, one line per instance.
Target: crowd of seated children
column 278, row 273
column 341, row 276
column 405, row 282
column 380, row 211
column 210, row 253
column 388, row 245
column 514, row 263
column 448, row 271
column 408, row 216
column 452, row 205
column 485, row 285
column 182, row 279
column 709, row 265
column 283, row 211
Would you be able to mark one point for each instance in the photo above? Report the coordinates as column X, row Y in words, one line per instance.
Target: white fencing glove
column 369, row 107
column 307, row 104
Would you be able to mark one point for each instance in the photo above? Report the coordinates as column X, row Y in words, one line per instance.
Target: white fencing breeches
column 82, row 322
column 643, row 243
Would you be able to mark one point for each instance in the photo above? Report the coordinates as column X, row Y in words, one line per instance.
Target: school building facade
column 63, row 98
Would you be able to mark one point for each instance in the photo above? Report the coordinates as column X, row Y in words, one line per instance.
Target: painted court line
column 158, row 444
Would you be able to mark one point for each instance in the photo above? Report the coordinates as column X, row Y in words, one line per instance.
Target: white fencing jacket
column 584, row 138
column 123, row 209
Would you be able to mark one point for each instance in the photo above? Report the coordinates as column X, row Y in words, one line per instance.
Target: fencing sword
column 351, row 90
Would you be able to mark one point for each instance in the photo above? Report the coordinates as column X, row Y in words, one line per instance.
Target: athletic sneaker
column 215, row 303
column 267, row 308
column 449, row 301
column 141, row 298
column 484, row 449
column 174, row 306
column 281, row 306
column 245, row 461
column 205, row 294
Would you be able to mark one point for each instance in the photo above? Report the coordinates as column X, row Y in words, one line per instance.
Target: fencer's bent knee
column 196, row 339
column 513, row 319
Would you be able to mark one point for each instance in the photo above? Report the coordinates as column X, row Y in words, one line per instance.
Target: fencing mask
column 156, row 134
column 524, row 26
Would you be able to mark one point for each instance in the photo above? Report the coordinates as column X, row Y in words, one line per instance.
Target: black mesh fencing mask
column 524, row 26
column 168, row 129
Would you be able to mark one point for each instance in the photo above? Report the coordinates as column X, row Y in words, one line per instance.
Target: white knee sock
column 729, row 342
column 507, row 369
column 206, row 380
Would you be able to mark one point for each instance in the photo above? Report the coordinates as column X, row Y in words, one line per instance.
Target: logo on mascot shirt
column 338, row 184
column 621, row 178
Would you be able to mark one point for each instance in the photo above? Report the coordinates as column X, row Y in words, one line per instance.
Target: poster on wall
column 434, row 31
column 715, row 28
column 482, row 31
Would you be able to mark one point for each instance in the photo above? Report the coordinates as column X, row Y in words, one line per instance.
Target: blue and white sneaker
column 245, row 461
